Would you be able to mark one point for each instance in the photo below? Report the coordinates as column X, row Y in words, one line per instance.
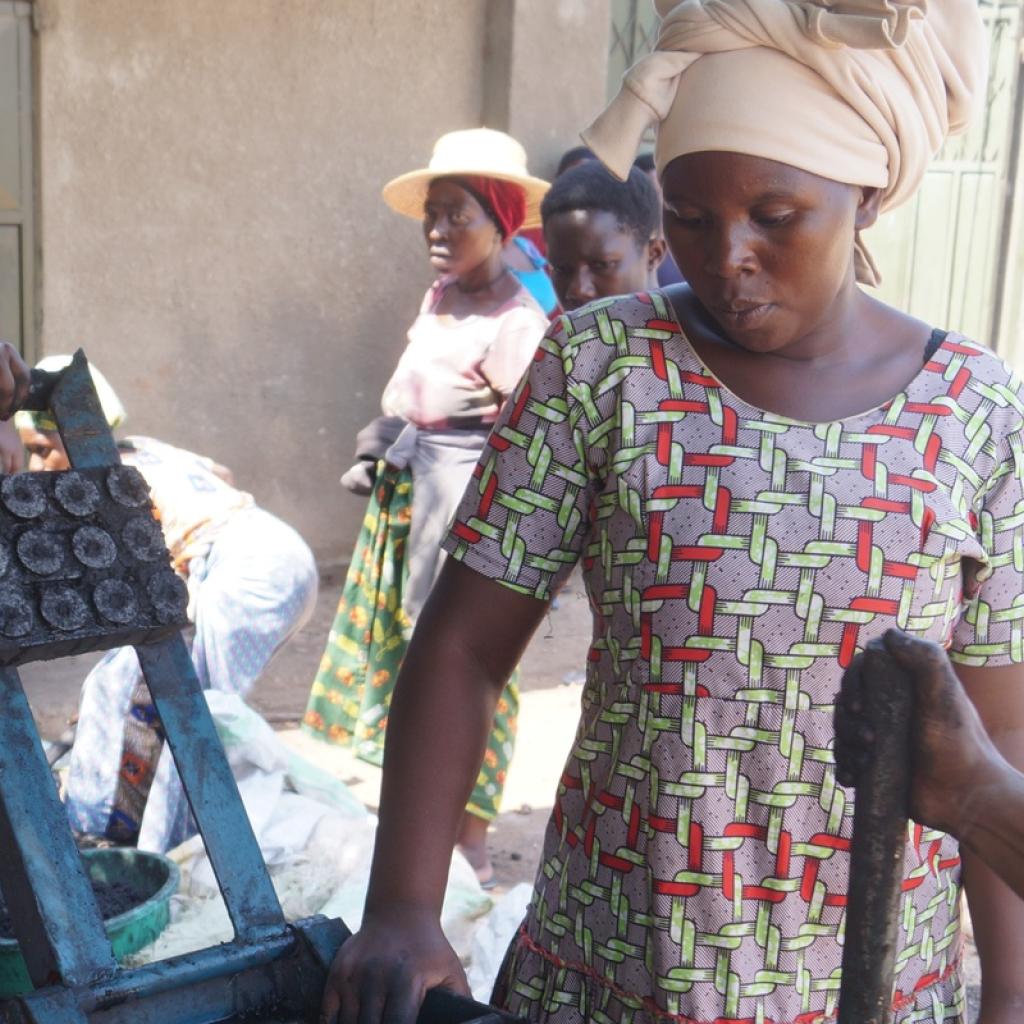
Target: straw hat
column 480, row 151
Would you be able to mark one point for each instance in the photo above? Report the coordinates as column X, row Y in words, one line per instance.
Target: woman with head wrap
column 760, row 472
column 477, row 329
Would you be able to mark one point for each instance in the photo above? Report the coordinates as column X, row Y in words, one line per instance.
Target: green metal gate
column 17, row 243
column 944, row 256
column 633, row 32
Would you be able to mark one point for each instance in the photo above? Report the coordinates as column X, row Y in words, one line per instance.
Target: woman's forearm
column 993, row 826
column 437, row 731
column 440, row 717
column 962, row 784
column 996, row 914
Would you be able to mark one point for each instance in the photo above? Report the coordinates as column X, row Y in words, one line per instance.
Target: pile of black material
column 83, row 565
column 113, row 898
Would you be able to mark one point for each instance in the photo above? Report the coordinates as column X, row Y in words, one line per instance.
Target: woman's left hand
column 952, row 755
column 14, row 380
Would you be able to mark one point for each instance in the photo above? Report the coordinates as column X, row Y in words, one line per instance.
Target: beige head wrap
column 859, row 91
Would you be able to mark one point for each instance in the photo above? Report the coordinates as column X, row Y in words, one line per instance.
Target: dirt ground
column 551, row 679
column 551, row 676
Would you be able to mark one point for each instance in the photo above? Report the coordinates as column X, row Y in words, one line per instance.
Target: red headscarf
column 503, row 201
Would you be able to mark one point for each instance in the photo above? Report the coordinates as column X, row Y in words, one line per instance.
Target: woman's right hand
column 383, row 972
column 15, row 379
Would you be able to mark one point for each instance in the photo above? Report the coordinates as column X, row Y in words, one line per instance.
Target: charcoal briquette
column 115, row 600
column 23, row 495
column 16, row 616
column 64, row 609
column 94, row 547
column 40, row 552
column 169, row 595
column 76, row 494
column 127, row 487
column 143, row 539
column 83, row 565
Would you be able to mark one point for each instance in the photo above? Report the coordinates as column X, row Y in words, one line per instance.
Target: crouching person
column 252, row 584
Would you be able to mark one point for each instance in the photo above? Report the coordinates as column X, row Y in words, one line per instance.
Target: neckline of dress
column 778, row 417
column 446, row 281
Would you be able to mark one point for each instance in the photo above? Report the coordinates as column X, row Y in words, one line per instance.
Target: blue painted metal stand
column 272, row 971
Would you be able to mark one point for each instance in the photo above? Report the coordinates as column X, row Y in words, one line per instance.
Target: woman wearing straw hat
column 476, row 332
column 760, row 472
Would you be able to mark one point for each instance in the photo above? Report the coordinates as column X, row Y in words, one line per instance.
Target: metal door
column 17, row 244
column 634, row 29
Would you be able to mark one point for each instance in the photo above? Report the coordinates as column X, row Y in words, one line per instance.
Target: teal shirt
column 536, row 281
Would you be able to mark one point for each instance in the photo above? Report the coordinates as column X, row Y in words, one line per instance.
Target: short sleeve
column 991, row 631
column 524, row 516
column 516, row 341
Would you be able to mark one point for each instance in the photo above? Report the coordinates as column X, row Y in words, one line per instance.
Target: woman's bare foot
column 471, row 842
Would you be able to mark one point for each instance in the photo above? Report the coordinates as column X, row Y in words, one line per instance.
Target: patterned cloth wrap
column 351, row 695
column 695, row 863
column 252, row 584
column 191, row 500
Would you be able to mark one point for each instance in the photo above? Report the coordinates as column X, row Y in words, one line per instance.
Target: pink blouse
column 456, row 372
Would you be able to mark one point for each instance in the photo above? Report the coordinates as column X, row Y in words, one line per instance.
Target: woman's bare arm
column 993, row 825
column 468, row 639
column 997, row 915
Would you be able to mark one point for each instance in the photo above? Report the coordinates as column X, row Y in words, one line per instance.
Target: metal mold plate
column 83, row 565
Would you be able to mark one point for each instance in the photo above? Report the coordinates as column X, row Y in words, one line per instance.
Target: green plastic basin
column 153, row 880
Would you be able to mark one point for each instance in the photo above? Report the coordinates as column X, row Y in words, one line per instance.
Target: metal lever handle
column 879, row 839
column 40, row 390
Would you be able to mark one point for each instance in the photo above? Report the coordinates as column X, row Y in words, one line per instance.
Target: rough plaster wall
column 559, row 75
column 211, row 228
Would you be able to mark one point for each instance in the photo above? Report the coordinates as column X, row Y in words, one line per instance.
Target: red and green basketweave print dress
column 695, row 863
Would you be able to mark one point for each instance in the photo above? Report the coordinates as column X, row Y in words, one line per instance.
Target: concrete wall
column 210, row 223
column 545, row 72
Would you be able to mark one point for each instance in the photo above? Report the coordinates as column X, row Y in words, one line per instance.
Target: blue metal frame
column 69, row 958
column 272, row 971
column 41, row 874
column 177, row 695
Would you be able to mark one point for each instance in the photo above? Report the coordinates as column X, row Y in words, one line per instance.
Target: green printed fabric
column 696, row 861
column 351, row 694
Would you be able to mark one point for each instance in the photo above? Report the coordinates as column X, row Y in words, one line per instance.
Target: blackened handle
column 879, row 839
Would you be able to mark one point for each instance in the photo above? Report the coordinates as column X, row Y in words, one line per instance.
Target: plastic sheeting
column 317, row 841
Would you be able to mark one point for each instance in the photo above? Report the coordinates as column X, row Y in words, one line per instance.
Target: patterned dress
column 695, row 864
